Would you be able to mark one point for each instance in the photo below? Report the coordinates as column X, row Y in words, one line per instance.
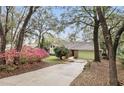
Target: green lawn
column 53, row 59
column 82, row 55
column 86, row 55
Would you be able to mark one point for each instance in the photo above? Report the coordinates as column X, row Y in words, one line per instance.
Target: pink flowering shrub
column 9, row 55
column 27, row 54
column 32, row 54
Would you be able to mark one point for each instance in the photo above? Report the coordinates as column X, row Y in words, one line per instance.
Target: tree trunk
column 96, row 43
column 112, row 68
column 60, row 57
column 42, row 42
column 117, row 38
column 39, row 39
column 2, row 48
column 108, row 40
column 2, row 41
column 22, row 33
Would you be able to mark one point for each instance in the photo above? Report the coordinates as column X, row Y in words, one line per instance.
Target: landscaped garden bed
column 29, row 59
column 96, row 74
column 23, row 68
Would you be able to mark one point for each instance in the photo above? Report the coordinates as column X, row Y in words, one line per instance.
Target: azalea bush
column 32, row 54
column 9, row 55
column 27, row 54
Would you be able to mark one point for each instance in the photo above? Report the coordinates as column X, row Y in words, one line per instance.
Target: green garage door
column 86, row 54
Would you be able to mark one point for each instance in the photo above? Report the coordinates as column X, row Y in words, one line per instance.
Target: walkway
column 57, row 75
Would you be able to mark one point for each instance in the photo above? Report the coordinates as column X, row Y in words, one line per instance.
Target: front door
column 72, row 52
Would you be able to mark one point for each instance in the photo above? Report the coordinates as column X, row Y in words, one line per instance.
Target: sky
column 58, row 11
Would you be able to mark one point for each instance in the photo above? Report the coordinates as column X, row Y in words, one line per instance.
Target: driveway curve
column 57, row 75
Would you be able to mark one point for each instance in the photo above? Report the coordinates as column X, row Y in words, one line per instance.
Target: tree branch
column 87, row 11
column 111, row 13
column 18, row 24
column 114, row 26
column 6, row 23
column 117, row 36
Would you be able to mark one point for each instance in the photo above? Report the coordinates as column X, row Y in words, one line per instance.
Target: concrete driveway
column 57, row 75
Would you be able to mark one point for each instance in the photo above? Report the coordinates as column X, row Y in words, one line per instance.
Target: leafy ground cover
column 96, row 74
column 23, row 68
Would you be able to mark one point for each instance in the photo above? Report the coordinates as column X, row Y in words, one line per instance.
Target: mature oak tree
column 43, row 23
column 84, row 17
column 32, row 9
column 111, row 47
column 4, row 29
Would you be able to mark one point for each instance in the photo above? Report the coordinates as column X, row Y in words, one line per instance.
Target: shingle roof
column 79, row 45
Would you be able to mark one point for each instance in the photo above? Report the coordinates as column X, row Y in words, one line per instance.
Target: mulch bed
column 23, row 68
column 97, row 75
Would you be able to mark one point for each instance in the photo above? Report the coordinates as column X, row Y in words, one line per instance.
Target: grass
column 53, row 59
column 82, row 55
column 86, row 54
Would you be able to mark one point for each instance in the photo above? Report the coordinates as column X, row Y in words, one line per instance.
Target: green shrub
column 121, row 56
column 23, row 60
column 88, row 65
column 34, row 59
column 61, row 51
column 8, row 68
column 2, row 67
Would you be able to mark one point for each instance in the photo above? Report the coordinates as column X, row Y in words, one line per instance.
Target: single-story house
column 76, row 49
